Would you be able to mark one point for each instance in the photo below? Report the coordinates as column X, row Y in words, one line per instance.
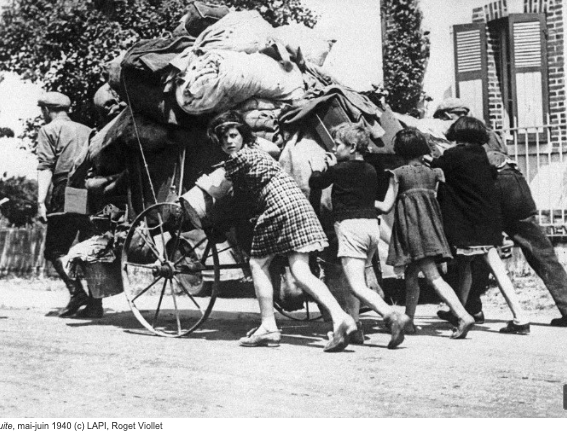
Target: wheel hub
column 164, row 270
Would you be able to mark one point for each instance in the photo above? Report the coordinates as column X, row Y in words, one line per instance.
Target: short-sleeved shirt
column 59, row 143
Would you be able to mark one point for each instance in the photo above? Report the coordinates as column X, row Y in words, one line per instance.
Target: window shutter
column 528, row 66
column 471, row 66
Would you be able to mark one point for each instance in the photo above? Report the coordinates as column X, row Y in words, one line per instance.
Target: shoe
column 78, row 300
column 93, row 310
column 447, row 315
column 268, row 339
column 357, row 337
column 513, row 328
column 463, row 327
column 78, row 295
column 340, row 339
column 396, row 323
column 478, row 317
column 559, row 322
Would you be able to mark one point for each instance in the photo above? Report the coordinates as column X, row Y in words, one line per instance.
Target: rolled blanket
column 260, row 104
column 219, row 80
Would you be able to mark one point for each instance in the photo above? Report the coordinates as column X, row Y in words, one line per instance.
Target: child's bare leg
column 465, row 277
column 444, row 290
column 498, row 268
column 412, row 289
column 343, row 324
column 264, row 291
column 354, row 271
column 353, row 306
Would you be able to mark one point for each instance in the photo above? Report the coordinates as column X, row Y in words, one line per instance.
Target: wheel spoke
column 146, row 289
column 150, row 242
column 190, row 251
column 189, row 294
column 225, row 249
column 206, row 252
column 159, row 303
column 148, row 266
column 162, row 237
column 175, row 305
column 177, row 238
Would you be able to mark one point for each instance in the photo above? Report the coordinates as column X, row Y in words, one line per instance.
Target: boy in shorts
column 355, row 189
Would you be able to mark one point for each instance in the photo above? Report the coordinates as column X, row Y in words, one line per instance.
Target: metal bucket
column 103, row 278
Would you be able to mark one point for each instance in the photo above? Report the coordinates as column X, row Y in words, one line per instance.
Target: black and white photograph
column 302, row 210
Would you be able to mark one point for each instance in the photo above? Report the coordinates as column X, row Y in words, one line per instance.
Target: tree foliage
column 6, row 132
column 66, row 43
column 21, row 209
column 405, row 53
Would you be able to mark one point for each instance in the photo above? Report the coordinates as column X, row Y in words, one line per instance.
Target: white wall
column 356, row 58
column 439, row 17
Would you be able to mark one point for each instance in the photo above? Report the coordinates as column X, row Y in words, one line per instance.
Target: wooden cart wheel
column 309, row 312
column 162, row 262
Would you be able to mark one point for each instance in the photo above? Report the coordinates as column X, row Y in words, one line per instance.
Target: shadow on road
column 231, row 326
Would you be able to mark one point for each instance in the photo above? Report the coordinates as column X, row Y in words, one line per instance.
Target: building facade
column 508, row 63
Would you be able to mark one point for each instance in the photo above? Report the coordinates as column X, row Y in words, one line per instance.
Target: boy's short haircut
column 410, row 143
column 352, row 135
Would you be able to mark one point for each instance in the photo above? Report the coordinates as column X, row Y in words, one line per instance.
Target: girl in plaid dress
column 286, row 224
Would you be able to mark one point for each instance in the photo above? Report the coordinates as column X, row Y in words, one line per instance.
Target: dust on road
column 112, row 367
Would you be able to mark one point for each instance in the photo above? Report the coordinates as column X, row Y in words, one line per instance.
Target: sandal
column 268, row 339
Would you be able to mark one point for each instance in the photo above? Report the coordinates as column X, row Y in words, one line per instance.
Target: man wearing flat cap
column 58, row 144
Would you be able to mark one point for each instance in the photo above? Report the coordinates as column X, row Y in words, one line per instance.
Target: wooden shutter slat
column 468, row 51
column 528, row 68
column 527, row 44
column 470, row 66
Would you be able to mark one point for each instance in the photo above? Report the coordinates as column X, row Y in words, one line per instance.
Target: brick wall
column 554, row 10
column 556, row 60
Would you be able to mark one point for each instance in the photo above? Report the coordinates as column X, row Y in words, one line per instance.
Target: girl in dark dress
column 471, row 214
column 418, row 241
column 285, row 224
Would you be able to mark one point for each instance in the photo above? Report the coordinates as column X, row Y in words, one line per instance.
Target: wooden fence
column 22, row 251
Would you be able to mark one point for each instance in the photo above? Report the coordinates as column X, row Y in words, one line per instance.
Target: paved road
column 112, row 367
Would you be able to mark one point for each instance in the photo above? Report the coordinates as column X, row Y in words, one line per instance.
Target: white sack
column 219, row 80
column 244, row 31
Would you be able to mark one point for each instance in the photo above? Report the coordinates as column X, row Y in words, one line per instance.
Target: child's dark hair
column 410, row 143
column 352, row 135
column 467, row 129
column 223, row 122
